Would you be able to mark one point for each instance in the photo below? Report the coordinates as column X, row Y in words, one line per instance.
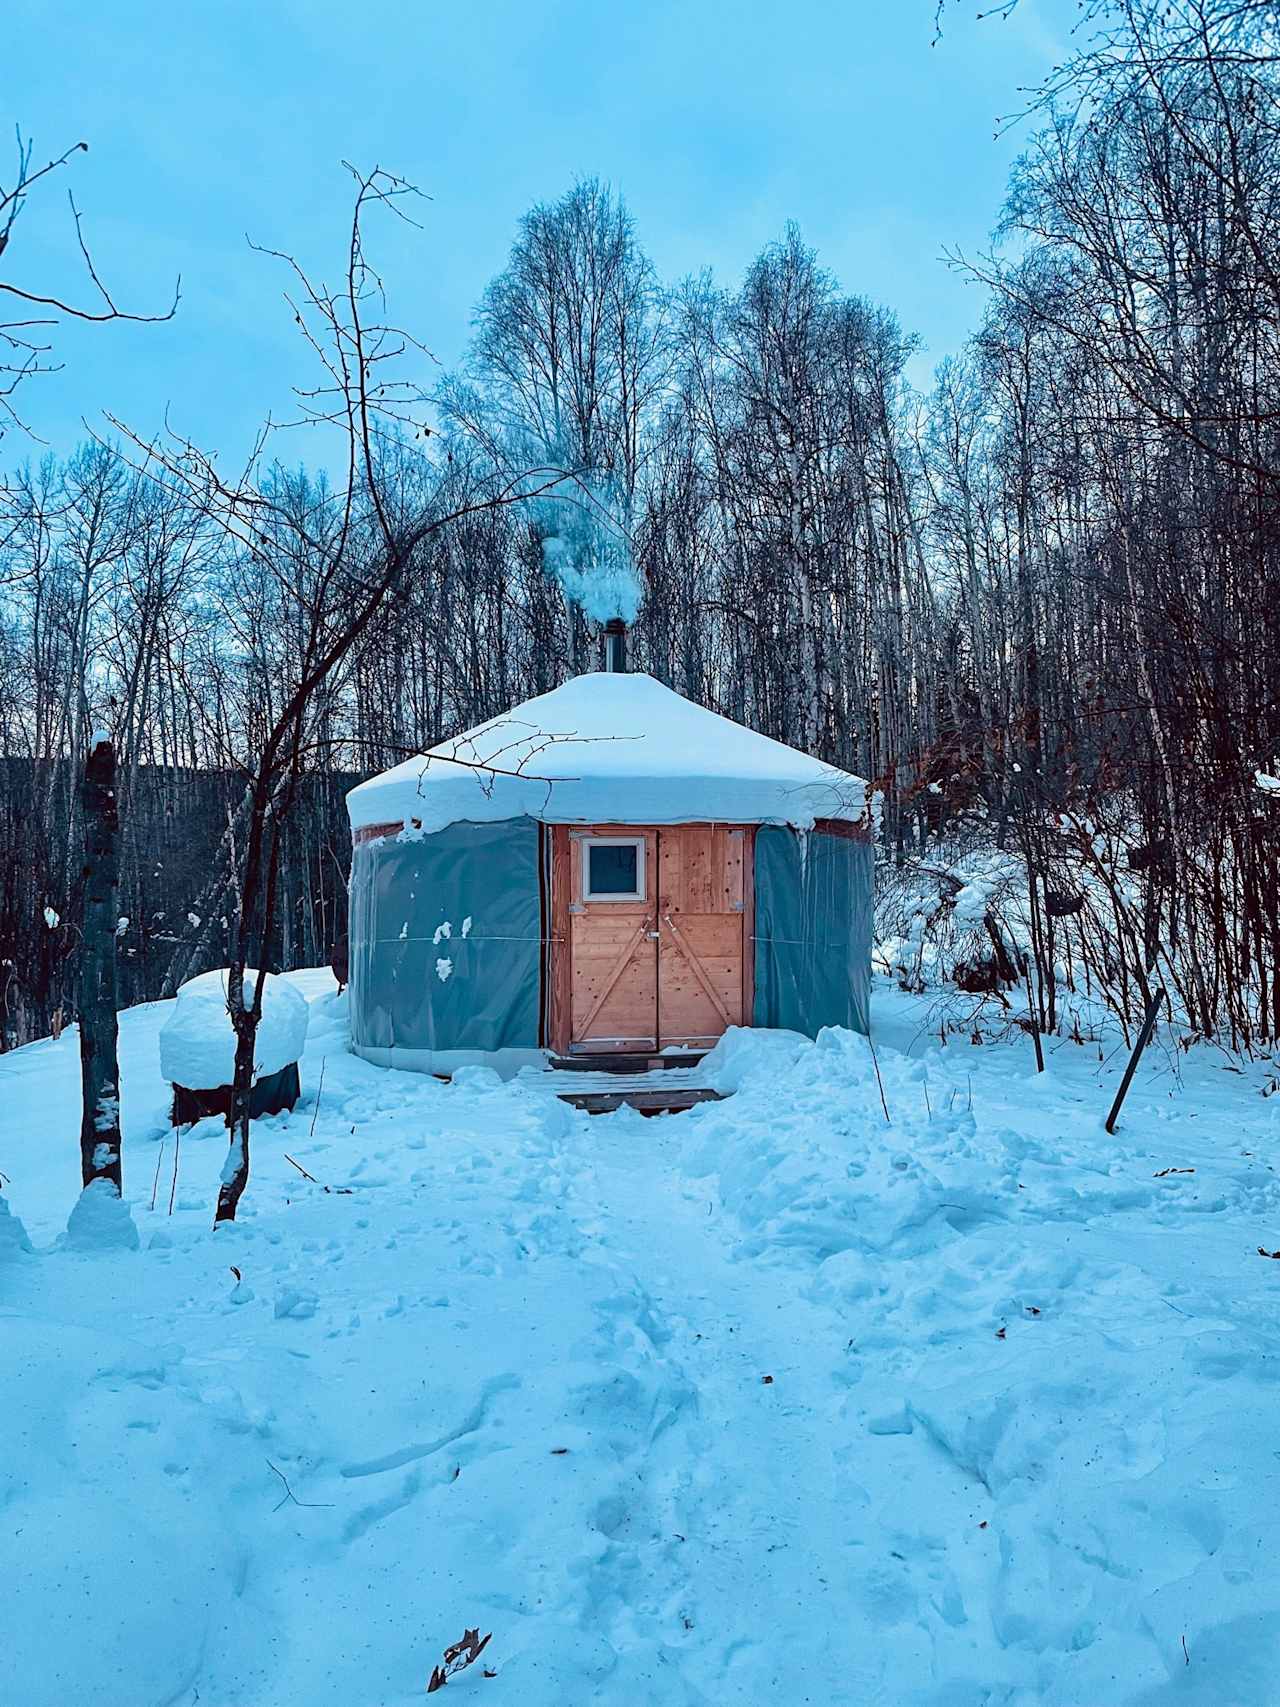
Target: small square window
column 613, row 869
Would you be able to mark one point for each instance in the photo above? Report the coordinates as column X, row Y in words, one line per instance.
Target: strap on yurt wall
column 813, row 919
column 446, row 939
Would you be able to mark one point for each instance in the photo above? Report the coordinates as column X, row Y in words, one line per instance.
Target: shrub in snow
column 100, row 1221
column 458, row 1657
column 958, row 920
column 198, row 1045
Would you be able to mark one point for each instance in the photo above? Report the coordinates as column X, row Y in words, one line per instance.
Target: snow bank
column 744, row 1056
column 198, row 1046
column 100, row 1221
column 13, row 1235
column 609, row 748
column 805, row 1158
column 775, row 1401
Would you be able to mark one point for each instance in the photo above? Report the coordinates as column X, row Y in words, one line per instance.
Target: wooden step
column 646, row 1101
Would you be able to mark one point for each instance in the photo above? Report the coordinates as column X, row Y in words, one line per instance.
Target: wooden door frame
column 748, row 924
column 558, row 923
column 559, row 957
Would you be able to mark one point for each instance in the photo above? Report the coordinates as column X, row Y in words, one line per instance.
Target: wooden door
column 703, row 893
column 613, row 995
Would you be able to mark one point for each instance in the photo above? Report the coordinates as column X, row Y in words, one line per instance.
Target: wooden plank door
column 701, row 907
column 613, row 943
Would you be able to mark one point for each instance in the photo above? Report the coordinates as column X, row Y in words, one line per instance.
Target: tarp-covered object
column 607, row 748
column 198, row 1044
column 269, row 1095
column 446, row 945
column 814, row 894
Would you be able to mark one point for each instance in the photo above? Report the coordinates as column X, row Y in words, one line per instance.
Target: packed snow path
column 767, row 1402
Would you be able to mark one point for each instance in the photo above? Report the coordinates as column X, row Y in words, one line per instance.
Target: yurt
column 606, row 870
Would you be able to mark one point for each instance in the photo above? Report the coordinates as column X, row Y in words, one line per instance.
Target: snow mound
column 743, row 1056
column 13, row 1235
column 805, row 1158
column 198, row 1046
column 100, row 1221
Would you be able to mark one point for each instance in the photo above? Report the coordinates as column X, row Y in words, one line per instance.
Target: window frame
column 639, row 893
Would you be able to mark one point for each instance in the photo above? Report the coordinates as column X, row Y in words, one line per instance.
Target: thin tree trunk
column 99, row 1066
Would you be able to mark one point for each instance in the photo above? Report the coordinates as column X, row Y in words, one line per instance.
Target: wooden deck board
column 647, row 1102
column 665, row 1090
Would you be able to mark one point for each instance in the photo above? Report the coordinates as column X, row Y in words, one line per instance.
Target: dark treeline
column 1040, row 604
column 172, row 818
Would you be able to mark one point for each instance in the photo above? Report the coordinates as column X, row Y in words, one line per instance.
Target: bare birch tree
column 324, row 568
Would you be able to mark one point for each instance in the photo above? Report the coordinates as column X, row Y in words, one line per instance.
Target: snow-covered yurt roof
column 609, row 747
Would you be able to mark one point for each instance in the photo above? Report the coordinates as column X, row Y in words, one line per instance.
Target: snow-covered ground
column 769, row 1402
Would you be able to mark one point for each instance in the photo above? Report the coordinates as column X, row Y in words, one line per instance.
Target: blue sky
column 717, row 122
